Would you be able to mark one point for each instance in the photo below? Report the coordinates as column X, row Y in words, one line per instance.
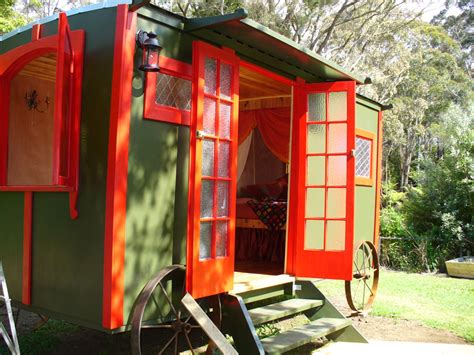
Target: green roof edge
column 259, row 27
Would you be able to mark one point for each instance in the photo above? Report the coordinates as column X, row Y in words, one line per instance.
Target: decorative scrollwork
column 33, row 101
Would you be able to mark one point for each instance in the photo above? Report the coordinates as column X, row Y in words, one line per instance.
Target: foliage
column 9, row 18
column 438, row 302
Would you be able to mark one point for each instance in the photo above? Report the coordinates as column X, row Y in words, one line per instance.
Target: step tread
column 261, row 282
column 282, row 309
column 302, row 335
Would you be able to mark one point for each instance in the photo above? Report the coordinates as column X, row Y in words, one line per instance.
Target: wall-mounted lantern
column 150, row 45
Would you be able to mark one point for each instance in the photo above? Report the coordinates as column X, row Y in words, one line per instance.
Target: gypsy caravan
column 193, row 174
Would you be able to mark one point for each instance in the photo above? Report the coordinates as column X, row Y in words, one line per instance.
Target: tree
column 9, row 18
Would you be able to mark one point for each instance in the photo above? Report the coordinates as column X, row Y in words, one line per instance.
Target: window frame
column 157, row 112
column 362, row 180
column 11, row 64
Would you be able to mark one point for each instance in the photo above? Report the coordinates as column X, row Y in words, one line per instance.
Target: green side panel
column 366, row 119
column 67, row 270
column 11, row 240
column 157, row 191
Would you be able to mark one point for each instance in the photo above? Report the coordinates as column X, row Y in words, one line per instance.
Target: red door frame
column 337, row 265
column 215, row 275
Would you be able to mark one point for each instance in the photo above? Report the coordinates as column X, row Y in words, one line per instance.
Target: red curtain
column 274, row 126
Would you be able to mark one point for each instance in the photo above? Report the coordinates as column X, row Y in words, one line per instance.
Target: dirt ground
column 86, row 341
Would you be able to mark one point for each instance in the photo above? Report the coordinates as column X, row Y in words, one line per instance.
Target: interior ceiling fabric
column 274, row 126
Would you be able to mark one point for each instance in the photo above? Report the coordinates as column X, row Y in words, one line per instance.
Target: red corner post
column 117, row 169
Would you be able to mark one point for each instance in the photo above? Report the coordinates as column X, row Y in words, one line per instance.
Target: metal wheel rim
column 181, row 325
column 364, row 279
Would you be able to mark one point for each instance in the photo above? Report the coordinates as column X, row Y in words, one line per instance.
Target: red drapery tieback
column 274, row 126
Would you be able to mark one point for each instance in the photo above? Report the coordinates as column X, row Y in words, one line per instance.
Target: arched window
column 40, row 93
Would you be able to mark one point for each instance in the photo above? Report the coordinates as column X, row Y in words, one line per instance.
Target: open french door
column 213, row 169
column 322, row 187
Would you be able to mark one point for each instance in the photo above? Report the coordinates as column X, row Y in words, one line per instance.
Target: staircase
column 272, row 299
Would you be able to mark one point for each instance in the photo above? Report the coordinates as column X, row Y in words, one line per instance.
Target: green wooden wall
column 68, row 255
column 157, row 191
column 364, row 208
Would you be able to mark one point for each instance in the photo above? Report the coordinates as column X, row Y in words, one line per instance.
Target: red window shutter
column 63, row 105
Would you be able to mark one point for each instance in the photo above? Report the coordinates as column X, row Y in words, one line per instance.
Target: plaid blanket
column 272, row 213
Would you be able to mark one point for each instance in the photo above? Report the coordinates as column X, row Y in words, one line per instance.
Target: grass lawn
column 438, row 302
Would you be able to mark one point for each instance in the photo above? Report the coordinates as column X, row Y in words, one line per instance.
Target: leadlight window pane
column 173, row 91
column 205, row 240
column 363, row 157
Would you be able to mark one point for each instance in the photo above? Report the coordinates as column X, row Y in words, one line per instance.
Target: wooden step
column 282, row 309
column 245, row 282
column 296, row 337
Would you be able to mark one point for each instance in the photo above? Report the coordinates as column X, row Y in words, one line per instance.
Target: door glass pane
column 210, row 71
column 226, row 80
column 223, row 166
column 314, row 203
column 337, row 170
column 222, row 199
column 336, row 203
column 207, row 198
column 337, row 106
column 221, row 238
column 209, row 119
column 224, row 120
column 317, row 107
column 207, row 157
column 205, row 239
column 314, row 235
column 337, row 138
column 316, row 170
column 316, row 138
column 336, row 235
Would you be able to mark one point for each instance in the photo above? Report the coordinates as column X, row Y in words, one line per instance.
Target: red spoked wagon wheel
column 165, row 292
column 361, row 290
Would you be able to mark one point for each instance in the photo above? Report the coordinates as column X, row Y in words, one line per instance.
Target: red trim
column 362, row 180
column 157, row 112
column 27, row 239
column 213, row 275
column 35, row 32
column 117, row 169
column 378, row 179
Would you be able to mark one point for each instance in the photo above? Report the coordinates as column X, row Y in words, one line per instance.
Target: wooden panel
column 259, row 91
column 30, row 131
column 43, row 67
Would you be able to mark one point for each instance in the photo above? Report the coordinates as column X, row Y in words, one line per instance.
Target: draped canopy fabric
column 274, row 126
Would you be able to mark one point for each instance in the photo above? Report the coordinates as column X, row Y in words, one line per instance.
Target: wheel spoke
column 168, row 344
column 176, row 341
column 369, row 288
column 169, row 300
column 189, row 343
